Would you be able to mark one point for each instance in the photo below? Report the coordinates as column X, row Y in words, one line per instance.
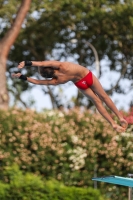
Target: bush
column 19, row 186
column 70, row 147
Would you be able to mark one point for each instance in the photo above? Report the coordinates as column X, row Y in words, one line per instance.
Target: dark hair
column 46, row 72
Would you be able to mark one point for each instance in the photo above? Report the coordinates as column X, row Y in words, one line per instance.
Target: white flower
column 77, row 157
column 74, row 138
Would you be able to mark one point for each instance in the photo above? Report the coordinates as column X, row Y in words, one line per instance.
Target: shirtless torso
column 65, row 71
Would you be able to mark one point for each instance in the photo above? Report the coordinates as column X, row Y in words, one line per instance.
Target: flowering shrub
column 129, row 116
column 70, row 147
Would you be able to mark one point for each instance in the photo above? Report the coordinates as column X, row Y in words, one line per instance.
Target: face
column 46, row 72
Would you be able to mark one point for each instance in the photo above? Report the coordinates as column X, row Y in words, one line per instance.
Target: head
column 46, row 72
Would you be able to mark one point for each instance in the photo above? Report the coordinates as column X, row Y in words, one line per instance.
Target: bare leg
column 98, row 89
column 97, row 102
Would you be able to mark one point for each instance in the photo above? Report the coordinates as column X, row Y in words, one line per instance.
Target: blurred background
column 48, row 130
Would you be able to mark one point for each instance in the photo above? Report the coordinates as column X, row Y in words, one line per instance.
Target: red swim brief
column 85, row 82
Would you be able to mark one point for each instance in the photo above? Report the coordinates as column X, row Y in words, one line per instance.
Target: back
column 73, row 71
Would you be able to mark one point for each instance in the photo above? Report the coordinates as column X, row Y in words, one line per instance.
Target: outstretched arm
column 42, row 82
column 53, row 64
column 35, row 81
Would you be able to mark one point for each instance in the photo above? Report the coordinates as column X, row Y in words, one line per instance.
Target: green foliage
column 70, row 147
column 19, row 186
column 8, row 9
column 4, row 188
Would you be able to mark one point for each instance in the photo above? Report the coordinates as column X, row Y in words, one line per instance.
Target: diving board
column 115, row 180
column 118, row 180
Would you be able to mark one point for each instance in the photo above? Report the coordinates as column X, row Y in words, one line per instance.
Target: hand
column 16, row 75
column 124, row 123
column 21, row 64
column 118, row 128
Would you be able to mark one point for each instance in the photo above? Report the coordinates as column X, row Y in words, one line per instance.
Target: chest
column 63, row 78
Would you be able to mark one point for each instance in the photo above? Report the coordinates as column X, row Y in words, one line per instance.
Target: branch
column 18, row 98
column 124, row 69
column 96, row 58
column 13, row 32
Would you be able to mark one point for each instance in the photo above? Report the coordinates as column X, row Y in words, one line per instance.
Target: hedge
column 70, row 147
column 19, row 186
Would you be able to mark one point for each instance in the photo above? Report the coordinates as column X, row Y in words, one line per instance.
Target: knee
column 104, row 97
column 97, row 101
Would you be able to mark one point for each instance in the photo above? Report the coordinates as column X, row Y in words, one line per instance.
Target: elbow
column 32, row 81
column 54, row 82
